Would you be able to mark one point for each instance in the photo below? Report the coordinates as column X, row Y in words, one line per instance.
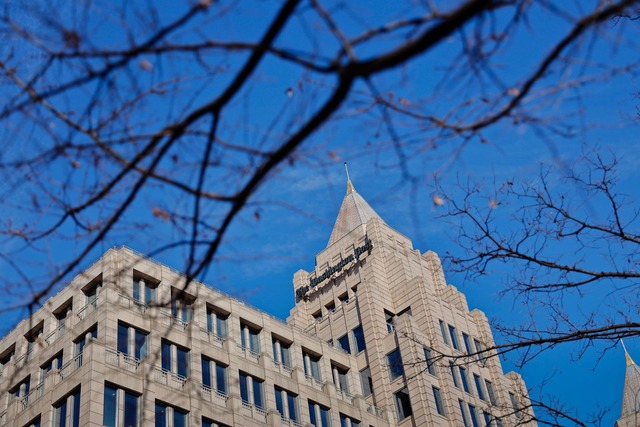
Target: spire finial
column 349, row 184
column 626, row 354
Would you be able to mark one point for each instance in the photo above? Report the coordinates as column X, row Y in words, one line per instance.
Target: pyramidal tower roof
column 631, row 393
column 354, row 212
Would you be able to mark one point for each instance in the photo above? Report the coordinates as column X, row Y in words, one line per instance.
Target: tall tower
column 630, row 413
column 418, row 347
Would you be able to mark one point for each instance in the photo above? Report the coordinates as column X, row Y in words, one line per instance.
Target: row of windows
column 450, row 337
column 480, row 385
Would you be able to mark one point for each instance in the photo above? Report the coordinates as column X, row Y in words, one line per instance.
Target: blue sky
column 289, row 219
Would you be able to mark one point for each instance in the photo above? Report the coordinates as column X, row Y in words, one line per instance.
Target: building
column 630, row 412
column 376, row 338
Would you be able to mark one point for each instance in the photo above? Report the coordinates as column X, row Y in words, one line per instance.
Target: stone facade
column 377, row 338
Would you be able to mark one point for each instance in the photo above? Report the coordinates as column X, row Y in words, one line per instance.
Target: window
column 491, row 392
column 482, row 356
column 346, row 421
column 165, row 413
column 175, row 359
column 34, row 423
column 319, row 415
column 144, row 292
column 474, row 418
column 358, row 339
column 20, row 390
column 454, row 337
column 214, row 375
column 478, row 381
column 366, row 381
column 33, row 336
column 121, row 407
column 391, row 321
column 182, row 306
column 403, row 404
column 251, row 390
column 343, row 343
column 331, row 307
column 311, row 366
column 465, row 419
column 132, row 342
column 445, row 339
column 516, row 406
column 488, row 420
column 394, row 361
column 66, row 413
column 340, row 378
column 217, row 323
column 5, row 358
column 431, row 365
column 82, row 341
column 453, row 375
column 467, row 343
column 286, row 404
column 281, row 353
column 463, row 378
column 91, row 294
column 250, row 338
column 54, row 363
column 437, row 397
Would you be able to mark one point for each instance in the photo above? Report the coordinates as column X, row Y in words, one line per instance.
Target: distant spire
column 349, row 184
column 626, row 354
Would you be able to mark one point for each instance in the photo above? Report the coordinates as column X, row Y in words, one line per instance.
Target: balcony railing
column 378, row 412
column 169, row 319
column 53, row 336
column 254, row 412
column 129, row 303
column 88, row 309
column 213, row 396
column 170, row 379
column 344, row 395
column 70, row 367
column 121, row 360
column 3, row 417
column 249, row 354
column 212, row 337
column 289, row 422
column 283, row 369
column 314, row 382
column 33, row 395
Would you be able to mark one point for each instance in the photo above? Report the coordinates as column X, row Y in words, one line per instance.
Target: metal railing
column 378, row 412
column 89, row 308
column 54, row 335
column 213, row 396
column 70, row 367
column 248, row 353
column 284, row 369
column 121, row 360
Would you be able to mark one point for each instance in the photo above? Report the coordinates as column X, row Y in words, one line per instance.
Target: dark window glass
column 221, row 378
column 431, row 366
column 478, row 382
column 161, row 415
column 258, row 398
column 358, row 339
column 454, row 337
column 279, row 405
column 140, row 339
column 123, row 339
column 183, row 362
column 394, row 361
column 463, row 378
column 366, row 381
column 166, row 356
column 110, row 406
column 244, row 390
column 130, row 410
column 437, row 397
column 206, row 372
column 179, row 418
column 403, row 404
column 293, row 406
column 474, row 418
column 343, row 343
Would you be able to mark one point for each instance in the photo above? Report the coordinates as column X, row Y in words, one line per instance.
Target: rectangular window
column 453, row 375
column 346, row 421
column 250, row 338
column 488, row 420
column 20, row 390
column 394, row 361
column 467, row 343
column 431, row 366
column 437, row 397
column 165, row 413
column 214, row 375
column 358, row 339
column 443, row 331
column 391, row 321
column 81, row 342
column 251, row 390
column 474, row 417
column 66, row 413
column 217, row 323
column 175, row 359
column 482, row 355
column 132, row 342
column 54, row 363
column 463, row 412
column 454, row 337
column 491, row 392
column 463, row 378
column 281, row 352
column 311, row 366
column 340, row 375
column 343, row 343
column 366, row 381
column 516, row 406
column 403, row 404
column 210, row 423
column 286, row 404
column 144, row 292
column 120, row 403
column 478, row 381
column 319, row 415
